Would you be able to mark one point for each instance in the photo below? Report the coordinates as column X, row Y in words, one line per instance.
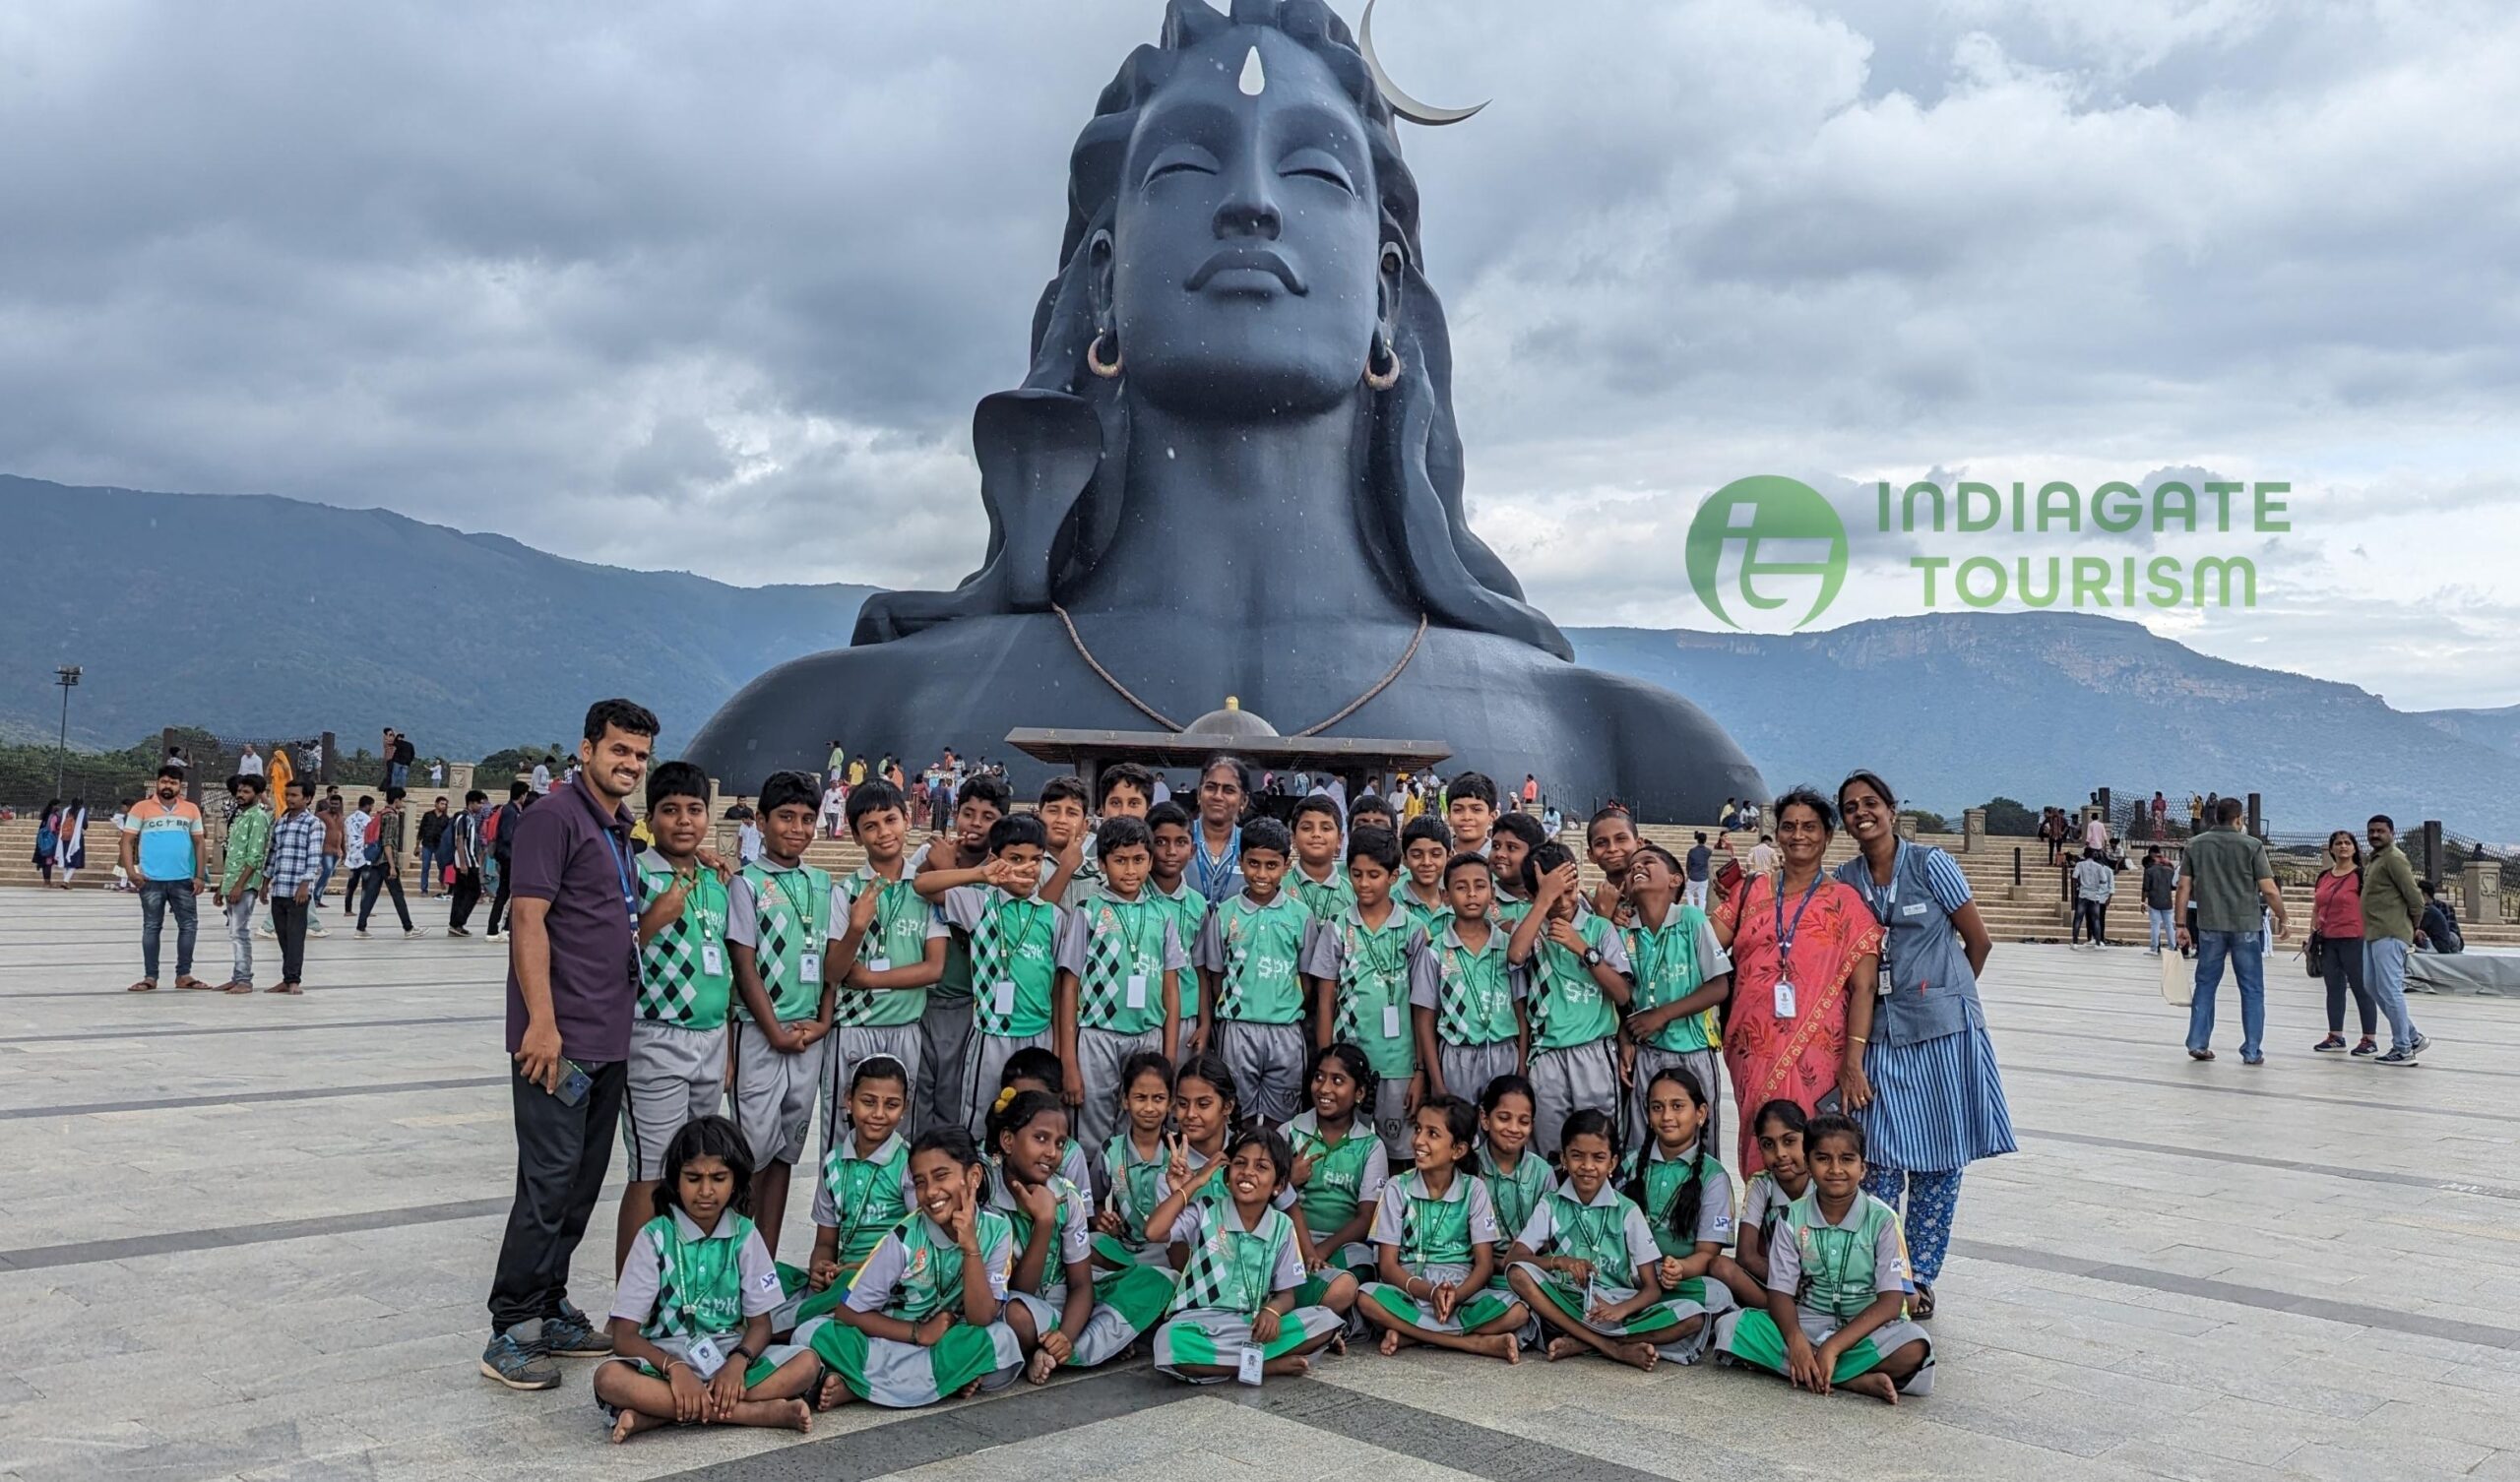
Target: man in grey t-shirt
column 2228, row 875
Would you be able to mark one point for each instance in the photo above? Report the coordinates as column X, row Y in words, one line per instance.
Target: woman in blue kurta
column 1938, row 1100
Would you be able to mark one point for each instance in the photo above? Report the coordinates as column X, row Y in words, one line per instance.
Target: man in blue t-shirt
column 1700, row 856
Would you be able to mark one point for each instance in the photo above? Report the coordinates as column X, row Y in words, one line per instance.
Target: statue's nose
column 1249, row 208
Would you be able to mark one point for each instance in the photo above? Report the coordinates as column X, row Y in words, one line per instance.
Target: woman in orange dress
column 1806, row 957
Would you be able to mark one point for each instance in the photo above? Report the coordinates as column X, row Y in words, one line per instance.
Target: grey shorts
column 1391, row 1122
column 774, row 1095
column 1568, row 1080
column 945, row 1032
column 1469, row 1068
column 1267, row 1061
column 982, row 1064
column 852, row 1046
column 676, row 1075
column 1099, row 1054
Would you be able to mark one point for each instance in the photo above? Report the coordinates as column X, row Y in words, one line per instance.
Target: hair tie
column 1003, row 1097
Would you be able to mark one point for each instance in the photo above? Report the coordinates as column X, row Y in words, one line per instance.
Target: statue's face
column 1246, row 239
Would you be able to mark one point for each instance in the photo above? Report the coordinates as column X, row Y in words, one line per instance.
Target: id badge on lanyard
column 1784, row 1004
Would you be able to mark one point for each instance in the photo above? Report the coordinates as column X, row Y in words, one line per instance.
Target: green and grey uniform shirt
column 905, row 923
column 1763, row 1202
column 1234, row 1268
column 862, row 1197
column 1210, row 1192
column 1013, row 957
column 916, row 1270
column 1662, row 1180
column 1610, row 1232
column 1517, row 1193
column 685, row 976
column 1369, row 969
column 1119, row 951
column 955, row 985
column 1669, row 962
column 1189, row 918
column 1430, row 919
column 1255, row 950
column 680, row 1282
column 1136, row 1180
column 1509, row 911
column 1434, row 1229
column 1346, row 1175
column 1567, row 1004
column 1072, row 1242
column 788, row 917
column 1838, row 1270
column 1324, row 898
column 1472, row 993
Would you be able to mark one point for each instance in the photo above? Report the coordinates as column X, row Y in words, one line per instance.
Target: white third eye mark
column 1253, row 79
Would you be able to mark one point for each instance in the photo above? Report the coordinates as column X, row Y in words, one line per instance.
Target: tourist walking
column 435, row 848
column 335, row 845
column 571, row 976
column 2095, row 885
column 1699, row 862
column 385, row 864
column 1805, row 950
column 2392, row 906
column 1937, row 1098
column 465, row 841
column 2231, row 882
column 47, row 837
column 162, row 849
column 2161, row 891
column 500, row 831
column 2336, row 938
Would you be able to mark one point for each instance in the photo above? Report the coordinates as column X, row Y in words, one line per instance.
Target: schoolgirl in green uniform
column 1683, row 976
column 1435, row 1236
column 1577, row 969
column 1338, row 1176
column 679, row 1039
column 1586, row 1262
column 863, row 1190
column 1769, row 1193
column 1133, row 1164
column 1465, row 998
column 1838, row 1285
column 1169, row 825
column 1316, row 879
column 1250, row 952
column 1688, row 1200
column 1242, row 1290
column 1061, row 1311
column 1037, row 1070
column 1013, row 933
column 1425, row 845
column 1358, row 966
column 1517, row 1178
column 882, row 1002
column 924, row 1318
column 1510, row 845
column 691, row 1309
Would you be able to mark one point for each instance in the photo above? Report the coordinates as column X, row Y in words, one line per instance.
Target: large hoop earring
column 1385, row 376
column 1109, row 370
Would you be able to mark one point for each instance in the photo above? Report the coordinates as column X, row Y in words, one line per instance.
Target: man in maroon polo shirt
column 572, row 981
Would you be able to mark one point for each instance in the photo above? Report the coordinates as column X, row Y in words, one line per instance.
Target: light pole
column 67, row 676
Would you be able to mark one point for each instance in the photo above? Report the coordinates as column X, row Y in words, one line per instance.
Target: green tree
column 2006, row 817
column 1927, row 821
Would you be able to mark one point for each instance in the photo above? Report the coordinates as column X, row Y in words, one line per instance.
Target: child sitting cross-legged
column 1587, row 1264
column 1240, row 1290
column 691, row 1312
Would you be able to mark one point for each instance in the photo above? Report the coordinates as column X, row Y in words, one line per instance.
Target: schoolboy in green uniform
column 1577, row 969
column 1358, row 964
column 1426, row 846
column 1169, row 824
column 1470, row 808
column 1316, row 879
column 1465, row 998
column 677, row 1068
column 1371, row 812
column 1683, row 976
column 1249, row 953
column 882, row 1002
column 1119, row 989
column 945, row 1028
column 789, row 928
column 1014, row 934
column 1071, row 870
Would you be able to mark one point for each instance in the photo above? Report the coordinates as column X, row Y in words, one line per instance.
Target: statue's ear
column 1391, row 275
column 1097, row 276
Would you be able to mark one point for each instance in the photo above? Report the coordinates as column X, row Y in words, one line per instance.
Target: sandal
column 284, row 987
column 236, row 988
column 144, row 985
column 189, row 981
column 1920, row 1305
column 2200, row 1054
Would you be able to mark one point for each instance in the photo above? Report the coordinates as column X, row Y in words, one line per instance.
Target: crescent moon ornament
column 1401, row 102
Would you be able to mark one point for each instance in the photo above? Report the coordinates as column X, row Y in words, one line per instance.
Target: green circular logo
column 1783, row 530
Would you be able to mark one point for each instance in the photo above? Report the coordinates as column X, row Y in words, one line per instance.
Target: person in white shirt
column 250, row 765
column 2095, row 836
column 835, row 803
column 747, row 843
column 353, row 855
column 437, row 774
column 542, row 783
column 2094, row 883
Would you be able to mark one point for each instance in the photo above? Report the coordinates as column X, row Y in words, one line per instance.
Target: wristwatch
column 1591, row 957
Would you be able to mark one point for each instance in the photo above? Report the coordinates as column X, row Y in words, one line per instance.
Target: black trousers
column 468, row 894
column 499, row 902
column 561, row 1155
column 289, row 923
column 383, row 876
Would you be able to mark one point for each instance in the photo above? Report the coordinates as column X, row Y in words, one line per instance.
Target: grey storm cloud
column 715, row 287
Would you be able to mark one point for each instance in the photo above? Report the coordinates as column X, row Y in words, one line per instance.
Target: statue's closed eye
column 1317, row 164
column 1177, row 157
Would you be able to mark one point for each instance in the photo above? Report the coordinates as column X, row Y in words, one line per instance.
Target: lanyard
column 1785, row 934
column 803, row 908
column 1886, row 907
column 1215, row 871
column 621, row 865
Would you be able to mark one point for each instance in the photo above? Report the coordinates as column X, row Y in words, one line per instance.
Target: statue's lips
column 1246, row 259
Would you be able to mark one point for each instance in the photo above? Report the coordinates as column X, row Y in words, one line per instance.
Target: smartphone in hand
column 575, row 1082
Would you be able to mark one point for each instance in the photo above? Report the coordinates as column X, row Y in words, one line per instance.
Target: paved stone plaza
column 252, row 1237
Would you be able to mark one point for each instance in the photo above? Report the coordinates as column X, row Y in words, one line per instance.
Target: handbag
column 2179, row 980
column 2314, row 956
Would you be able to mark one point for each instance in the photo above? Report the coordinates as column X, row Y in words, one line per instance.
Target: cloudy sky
column 715, row 286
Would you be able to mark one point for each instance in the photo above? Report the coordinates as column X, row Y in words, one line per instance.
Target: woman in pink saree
column 1805, row 956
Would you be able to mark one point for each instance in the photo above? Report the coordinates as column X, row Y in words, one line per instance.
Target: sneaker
column 2248, row 1058
column 2331, row 1045
column 360, row 933
column 2396, row 1057
column 571, row 1335
column 496, row 936
column 2367, row 1046
column 264, row 931
column 318, row 929
column 458, row 931
column 414, row 931
column 2422, row 1043
column 517, row 1362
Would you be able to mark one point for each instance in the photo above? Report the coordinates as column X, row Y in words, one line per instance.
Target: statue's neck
column 1237, row 523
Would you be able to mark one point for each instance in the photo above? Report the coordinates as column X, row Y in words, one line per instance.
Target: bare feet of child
column 1562, row 1349
column 1643, row 1355
column 1039, row 1369
column 779, row 1414
column 1292, row 1366
column 1391, row 1342
column 835, row 1393
column 631, row 1423
column 967, row 1391
column 1503, row 1345
column 1338, row 1345
column 1877, row 1385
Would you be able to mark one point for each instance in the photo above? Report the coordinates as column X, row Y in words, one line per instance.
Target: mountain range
column 475, row 642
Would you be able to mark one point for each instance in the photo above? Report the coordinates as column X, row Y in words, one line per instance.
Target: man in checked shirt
column 296, row 859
